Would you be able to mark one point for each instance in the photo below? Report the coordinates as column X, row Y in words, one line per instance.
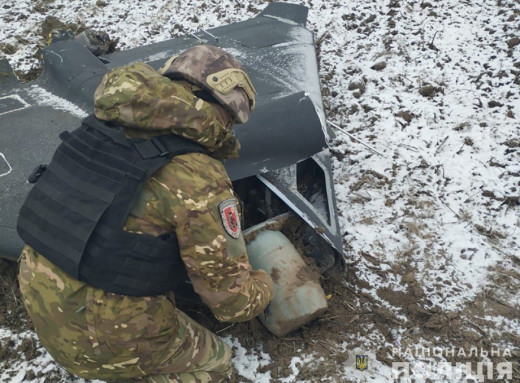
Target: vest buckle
column 163, row 150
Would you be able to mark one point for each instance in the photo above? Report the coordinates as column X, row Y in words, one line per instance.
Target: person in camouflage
column 100, row 335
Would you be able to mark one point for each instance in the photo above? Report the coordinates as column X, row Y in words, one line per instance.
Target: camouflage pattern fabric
column 186, row 194
column 203, row 65
column 95, row 334
column 139, row 98
column 108, row 336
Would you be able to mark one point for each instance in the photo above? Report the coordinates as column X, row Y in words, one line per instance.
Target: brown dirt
column 275, row 274
column 14, row 317
column 352, row 317
column 12, row 312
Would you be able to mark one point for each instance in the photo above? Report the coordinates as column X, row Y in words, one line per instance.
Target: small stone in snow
column 409, row 277
column 367, row 108
column 428, row 91
column 101, row 3
column 494, row 104
column 405, row 115
column 379, row 65
column 512, row 143
column 511, row 43
column 8, row 49
column 357, row 86
column 29, row 375
column 418, row 291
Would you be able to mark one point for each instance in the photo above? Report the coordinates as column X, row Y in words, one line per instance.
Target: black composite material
column 287, row 126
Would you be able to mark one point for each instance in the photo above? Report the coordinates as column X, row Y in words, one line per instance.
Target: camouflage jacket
column 185, row 194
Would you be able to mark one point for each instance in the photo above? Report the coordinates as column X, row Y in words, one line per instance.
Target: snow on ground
column 431, row 87
column 445, row 172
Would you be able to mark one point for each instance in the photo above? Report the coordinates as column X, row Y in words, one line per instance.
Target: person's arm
column 215, row 256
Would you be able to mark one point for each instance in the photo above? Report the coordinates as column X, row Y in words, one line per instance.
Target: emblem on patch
column 230, row 218
column 361, row 362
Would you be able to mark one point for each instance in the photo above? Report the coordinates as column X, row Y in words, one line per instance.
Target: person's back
column 98, row 334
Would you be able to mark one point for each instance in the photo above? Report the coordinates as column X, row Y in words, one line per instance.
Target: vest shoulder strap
column 75, row 213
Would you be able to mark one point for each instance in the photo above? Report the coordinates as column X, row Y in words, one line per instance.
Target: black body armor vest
column 75, row 213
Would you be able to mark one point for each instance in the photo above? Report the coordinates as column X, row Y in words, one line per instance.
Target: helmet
column 218, row 72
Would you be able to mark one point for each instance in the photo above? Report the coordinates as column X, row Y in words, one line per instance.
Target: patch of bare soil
column 13, row 316
column 353, row 317
column 52, row 29
column 12, row 312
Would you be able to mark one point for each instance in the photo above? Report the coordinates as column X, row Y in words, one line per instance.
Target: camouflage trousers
column 207, row 361
column 99, row 335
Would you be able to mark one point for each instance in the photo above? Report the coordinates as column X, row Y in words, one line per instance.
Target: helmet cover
column 219, row 73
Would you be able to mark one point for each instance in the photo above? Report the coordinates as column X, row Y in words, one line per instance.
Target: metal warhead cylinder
column 298, row 297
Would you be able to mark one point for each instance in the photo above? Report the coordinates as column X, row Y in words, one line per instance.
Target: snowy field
column 427, row 172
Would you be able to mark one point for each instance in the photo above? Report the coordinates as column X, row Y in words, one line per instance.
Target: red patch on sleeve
column 230, row 218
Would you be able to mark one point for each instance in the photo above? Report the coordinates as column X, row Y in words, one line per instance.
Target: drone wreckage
column 283, row 176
